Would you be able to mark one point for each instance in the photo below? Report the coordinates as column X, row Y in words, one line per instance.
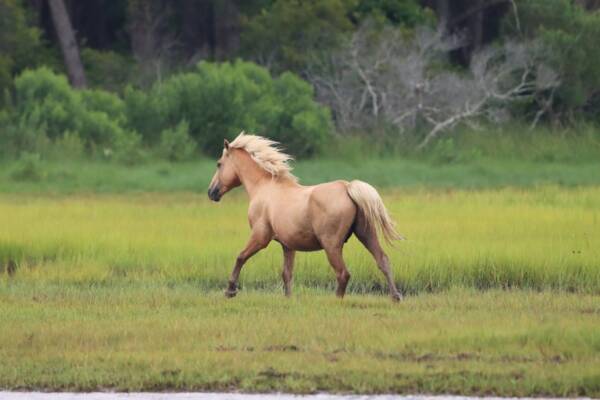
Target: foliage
column 287, row 35
column 215, row 100
column 408, row 13
column 386, row 77
column 571, row 34
column 28, row 168
column 108, row 70
column 126, row 148
column 47, row 105
column 220, row 100
column 68, row 146
column 20, row 43
column 293, row 35
column 176, row 144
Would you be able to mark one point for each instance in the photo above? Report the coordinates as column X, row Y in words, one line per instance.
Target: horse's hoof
column 396, row 297
column 230, row 293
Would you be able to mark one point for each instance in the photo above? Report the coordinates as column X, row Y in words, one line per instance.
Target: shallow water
column 231, row 396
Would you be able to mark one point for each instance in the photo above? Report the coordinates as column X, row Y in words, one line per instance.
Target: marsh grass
column 155, row 337
column 124, row 292
column 543, row 238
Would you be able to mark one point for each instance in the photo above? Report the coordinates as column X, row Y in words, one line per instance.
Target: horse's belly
column 301, row 241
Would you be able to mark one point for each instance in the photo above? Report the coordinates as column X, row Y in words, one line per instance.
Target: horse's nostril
column 213, row 193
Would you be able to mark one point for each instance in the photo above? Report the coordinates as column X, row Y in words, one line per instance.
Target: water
column 232, row 396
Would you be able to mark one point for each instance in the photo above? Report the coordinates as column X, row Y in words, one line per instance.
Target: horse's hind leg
column 334, row 255
column 368, row 237
column 288, row 268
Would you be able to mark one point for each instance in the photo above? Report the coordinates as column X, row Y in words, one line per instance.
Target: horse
column 300, row 218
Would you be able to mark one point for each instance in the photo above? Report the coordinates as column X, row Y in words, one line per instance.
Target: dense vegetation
column 172, row 116
column 170, row 79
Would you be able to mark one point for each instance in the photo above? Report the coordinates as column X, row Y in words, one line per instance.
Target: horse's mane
column 266, row 153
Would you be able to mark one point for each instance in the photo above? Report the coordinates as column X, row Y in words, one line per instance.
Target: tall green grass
column 543, row 238
column 32, row 175
column 489, row 158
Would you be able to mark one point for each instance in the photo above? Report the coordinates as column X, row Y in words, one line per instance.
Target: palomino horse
column 301, row 218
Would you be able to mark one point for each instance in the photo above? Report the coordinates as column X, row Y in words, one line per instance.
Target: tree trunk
column 227, row 29
column 68, row 44
column 476, row 22
column 443, row 12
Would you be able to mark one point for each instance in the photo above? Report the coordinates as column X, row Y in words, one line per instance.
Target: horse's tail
column 369, row 202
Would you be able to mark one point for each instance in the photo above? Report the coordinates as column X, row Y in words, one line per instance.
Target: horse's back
column 330, row 195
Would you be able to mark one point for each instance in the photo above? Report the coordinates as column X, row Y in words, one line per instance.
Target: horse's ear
column 226, row 144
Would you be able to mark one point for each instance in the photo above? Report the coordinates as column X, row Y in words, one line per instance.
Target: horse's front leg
column 259, row 239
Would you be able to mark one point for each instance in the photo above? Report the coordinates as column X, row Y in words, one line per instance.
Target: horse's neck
column 252, row 177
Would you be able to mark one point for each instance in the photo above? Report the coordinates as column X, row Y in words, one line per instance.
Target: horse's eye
column 218, row 165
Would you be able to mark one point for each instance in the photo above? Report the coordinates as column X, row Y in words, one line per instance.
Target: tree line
column 411, row 69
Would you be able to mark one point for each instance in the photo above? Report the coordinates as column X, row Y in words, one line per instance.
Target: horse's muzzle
column 213, row 193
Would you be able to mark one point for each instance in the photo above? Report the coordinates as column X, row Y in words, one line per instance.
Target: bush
column 571, row 35
column 220, row 100
column 126, row 148
column 287, row 35
column 20, row 43
column 107, row 69
column 68, row 146
column 46, row 102
column 28, row 168
column 176, row 144
column 21, row 135
column 215, row 101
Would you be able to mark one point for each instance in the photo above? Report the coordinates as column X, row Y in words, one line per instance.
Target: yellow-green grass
column 124, row 292
column 509, row 343
column 541, row 238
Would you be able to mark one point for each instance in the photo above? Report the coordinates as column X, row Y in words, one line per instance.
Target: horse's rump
column 371, row 205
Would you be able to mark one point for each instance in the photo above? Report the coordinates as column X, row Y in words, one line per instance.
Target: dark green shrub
column 220, row 100
column 301, row 125
column 126, row 148
column 46, row 102
column 142, row 114
column 68, row 146
column 570, row 33
column 28, row 168
column 216, row 100
column 107, row 69
column 20, row 43
column 176, row 144
column 407, row 12
column 289, row 34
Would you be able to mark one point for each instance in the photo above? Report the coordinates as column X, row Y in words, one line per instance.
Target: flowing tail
column 369, row 202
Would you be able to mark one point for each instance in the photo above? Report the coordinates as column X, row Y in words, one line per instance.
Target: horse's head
column 225, row 177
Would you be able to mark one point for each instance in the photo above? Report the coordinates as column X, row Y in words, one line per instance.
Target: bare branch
column 386, row 75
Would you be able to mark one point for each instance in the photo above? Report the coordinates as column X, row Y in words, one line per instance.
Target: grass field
column 68, row 177
column 124, row 291
column 154, row 337
column 545, row 238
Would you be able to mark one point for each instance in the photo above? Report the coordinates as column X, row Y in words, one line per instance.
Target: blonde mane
column 266, row 153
